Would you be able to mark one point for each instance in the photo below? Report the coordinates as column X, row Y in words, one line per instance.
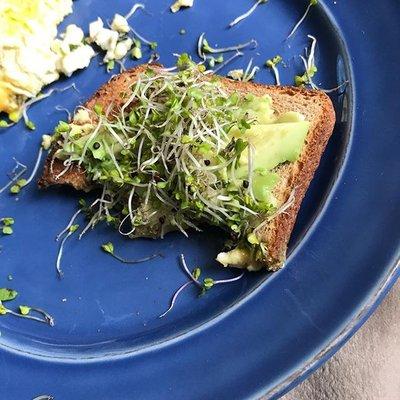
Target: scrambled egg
column 30, row 56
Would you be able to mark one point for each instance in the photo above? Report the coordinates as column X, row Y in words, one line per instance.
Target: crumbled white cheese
column 94, row 28
column 120, row 24
column 78, row 58
column 59, row 47
column 106, row 39
column 110, row 39
column 73, row 54
column 181, row 3
column 122, row 48
column 73, row 35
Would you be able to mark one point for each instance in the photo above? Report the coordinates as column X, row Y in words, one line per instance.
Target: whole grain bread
column 295, row 177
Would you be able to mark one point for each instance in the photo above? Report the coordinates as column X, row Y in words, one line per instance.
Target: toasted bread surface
column 295, row 177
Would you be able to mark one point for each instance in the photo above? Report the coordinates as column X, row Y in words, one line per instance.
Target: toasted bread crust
column 315, row 105
column 277, row 232
column 74, row 177
column 317, row 108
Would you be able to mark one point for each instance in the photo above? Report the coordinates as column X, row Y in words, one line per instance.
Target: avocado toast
column 178, row 150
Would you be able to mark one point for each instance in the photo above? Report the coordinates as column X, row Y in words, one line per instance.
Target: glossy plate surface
column 263, row 333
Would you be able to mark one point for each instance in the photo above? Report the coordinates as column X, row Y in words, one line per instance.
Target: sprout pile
column 166, row 160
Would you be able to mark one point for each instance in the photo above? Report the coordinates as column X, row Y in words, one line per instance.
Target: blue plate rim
column 376, row 296
column 341, row 168
column 359, row 316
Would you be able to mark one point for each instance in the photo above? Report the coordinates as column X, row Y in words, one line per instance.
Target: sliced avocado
column 263, row 185
column 259, row 108
column 275, row 143
column 290, row 116
column 240, row 258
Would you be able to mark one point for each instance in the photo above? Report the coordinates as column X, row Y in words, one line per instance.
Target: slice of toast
column 295, row 177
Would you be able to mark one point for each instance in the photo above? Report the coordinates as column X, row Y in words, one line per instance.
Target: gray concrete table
column 367, row 367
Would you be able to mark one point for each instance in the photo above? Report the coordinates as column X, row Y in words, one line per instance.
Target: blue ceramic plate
column 264, row 333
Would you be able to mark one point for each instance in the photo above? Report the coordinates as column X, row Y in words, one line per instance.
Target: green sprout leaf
column 15, row 189
column 244, row 125
column 240, row 146
column 108, row 247
column 30, row 125
column 312, row 71
column 136, row 53
column 208, row 283
column 14, row 116
column 22, row 182
column 24, row 310
column 62, row 127
column 7, row 221
column 215, row 60
column 300, row 80
column 184, row 62
column 306, row 77
column 74, row 228
column 82, row 203
column 186, row 139
column 162, row 185
column 110, row 65
column 206, row 47
column 7, row 230
column 196, row 273
column 273, row 62
column 98, row 109
column 7, row 294
column 252, row 238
